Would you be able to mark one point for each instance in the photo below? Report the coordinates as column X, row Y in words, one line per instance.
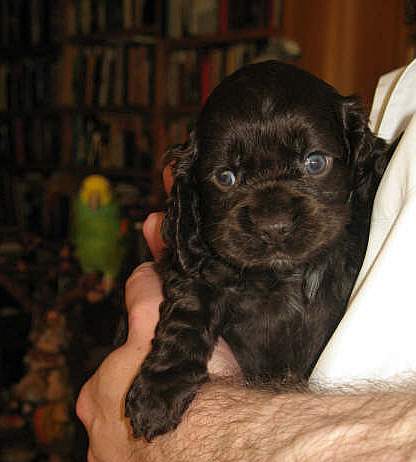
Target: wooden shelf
column 172, row 111
column 130, row 68
column 56, row 110
column 144, row 35
column 244, row 35
column 116, row 110
column 83, row 171
column 143, row 176
column 21, row 52
column 36, row 112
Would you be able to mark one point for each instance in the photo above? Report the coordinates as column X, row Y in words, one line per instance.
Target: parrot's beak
column 94, row 201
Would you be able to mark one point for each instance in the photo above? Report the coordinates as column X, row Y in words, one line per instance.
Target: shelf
column 38, row 112
column 143, row 35
column 96, row 65
column 47, row 112
column 179, row 111
column 24, row 52
column 111, row 172
column 83, row 171
column 243, row 35
column 93, row 110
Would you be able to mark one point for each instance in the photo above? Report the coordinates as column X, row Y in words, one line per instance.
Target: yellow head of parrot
column 95, row 191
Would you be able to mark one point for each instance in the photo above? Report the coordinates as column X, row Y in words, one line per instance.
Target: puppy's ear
column 367, row 154
column 181, row 226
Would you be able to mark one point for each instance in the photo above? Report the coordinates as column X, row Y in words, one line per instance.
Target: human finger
column 167, row 178
column 152, row 234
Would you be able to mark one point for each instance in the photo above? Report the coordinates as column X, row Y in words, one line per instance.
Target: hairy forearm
column 230, row 423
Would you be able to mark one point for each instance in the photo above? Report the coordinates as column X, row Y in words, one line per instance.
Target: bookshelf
column 123, row 80
column 30, row 44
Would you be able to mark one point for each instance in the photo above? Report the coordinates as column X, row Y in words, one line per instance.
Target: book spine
column 223, row 16
column 205, row 72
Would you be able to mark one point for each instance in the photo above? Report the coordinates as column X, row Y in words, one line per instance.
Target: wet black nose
column 274, row 226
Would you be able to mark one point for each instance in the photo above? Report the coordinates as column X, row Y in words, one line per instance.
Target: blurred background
column 92, row 93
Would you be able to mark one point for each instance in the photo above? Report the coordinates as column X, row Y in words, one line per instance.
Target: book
column 223, row 16
column 128, row 18
column 97, row 76
column 79, row 77
column 145, row 72
column 85, row 17
column 104, row 84
column 4, row 103
column 138, row 13
column 112, row 75
column 175, row 18
column 20, row 134
column 203, row 17
column 8, row 216
column 119, row 80
column 205, row 73
column 101, row 15
column 67, row 76
column 7, row 157
column 90, row 57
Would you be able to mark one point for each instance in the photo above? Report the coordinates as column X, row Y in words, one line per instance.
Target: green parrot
column 98, row 232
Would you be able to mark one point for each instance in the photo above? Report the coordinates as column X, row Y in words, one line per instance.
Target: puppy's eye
column 226, row 178
column 316, row 163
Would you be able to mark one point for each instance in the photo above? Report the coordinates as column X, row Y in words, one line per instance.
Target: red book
column 205, row 77
column 223, row 16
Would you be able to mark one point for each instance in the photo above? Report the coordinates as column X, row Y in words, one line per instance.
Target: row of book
column 207, row 17
column 27, row 85
column 180, row 18
column 30, row 22
column 31, row 141
column 105, row 142
column 87, row 17
column 108, row 142
column 110, row 76
column 192, row 74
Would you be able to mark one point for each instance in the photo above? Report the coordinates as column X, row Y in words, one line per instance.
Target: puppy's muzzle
column 274, row 227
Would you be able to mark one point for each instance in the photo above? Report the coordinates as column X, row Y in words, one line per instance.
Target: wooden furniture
column 141, row 70
column 29, row 119
column 102, row 86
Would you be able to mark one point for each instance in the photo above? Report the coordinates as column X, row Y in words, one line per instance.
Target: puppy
column 265, row 233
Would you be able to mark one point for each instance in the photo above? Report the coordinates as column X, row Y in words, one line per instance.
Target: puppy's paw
column 154, row 409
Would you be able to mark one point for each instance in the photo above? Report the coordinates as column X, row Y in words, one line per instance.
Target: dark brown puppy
column 266, row 231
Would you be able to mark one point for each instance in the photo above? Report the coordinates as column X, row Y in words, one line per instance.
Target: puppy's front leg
column 177, row 364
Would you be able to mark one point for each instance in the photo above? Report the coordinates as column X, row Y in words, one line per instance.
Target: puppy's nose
column 274, row 226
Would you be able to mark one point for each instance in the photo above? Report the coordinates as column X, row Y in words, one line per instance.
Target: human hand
column 100, row 405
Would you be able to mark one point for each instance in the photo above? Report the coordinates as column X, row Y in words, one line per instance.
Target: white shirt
column 376, row 339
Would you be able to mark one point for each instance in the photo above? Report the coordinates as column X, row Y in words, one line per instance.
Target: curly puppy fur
column 266, row 230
